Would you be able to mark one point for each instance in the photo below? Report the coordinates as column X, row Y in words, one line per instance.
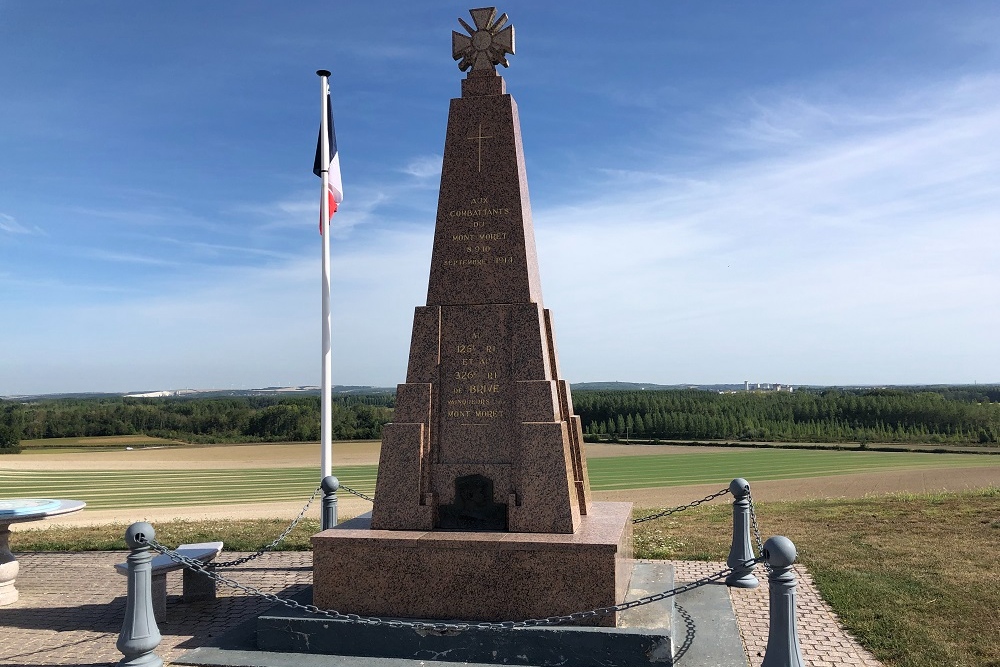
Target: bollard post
column 782, row 635
column 139, row 636
column 330, row 485
column 741, row 551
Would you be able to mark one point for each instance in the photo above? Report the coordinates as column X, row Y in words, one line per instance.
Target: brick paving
column 72, row 605
column 824, row 643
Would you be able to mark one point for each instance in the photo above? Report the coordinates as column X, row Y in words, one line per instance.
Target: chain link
column 682, row 507
column 756, row 533
column 357, row 493
column 263, row 550
column 198, row 566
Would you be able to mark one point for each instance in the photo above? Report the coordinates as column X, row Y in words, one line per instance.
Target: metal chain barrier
column 357, row 493
column 198, row 566
column 756, row 533
column 682, row 507
column 263, row 550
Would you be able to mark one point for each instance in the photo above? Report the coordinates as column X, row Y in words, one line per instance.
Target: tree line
column 956, row 415
column 199, row 420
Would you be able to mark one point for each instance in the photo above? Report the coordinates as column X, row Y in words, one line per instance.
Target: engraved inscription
column 482, row 245
column 476, row 397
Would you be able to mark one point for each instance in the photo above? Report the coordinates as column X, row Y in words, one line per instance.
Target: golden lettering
column 485, row 402
column 464, row 262
column 477, row 212
column 484, row 388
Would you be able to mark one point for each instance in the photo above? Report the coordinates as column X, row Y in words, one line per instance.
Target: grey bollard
column 741, row 551
column 330, row 485
column 139, row 636
column 782, row 635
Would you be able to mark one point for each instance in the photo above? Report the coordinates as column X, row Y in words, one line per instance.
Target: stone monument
column 482, row 506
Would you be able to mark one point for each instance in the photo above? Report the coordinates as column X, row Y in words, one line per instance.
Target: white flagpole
column 326, row 388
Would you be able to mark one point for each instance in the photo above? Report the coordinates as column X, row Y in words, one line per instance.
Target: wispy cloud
column 854, row 230
column 303, row 209
column 268, row 317
column 128, row 258
column 11, row 226
column 423, row 167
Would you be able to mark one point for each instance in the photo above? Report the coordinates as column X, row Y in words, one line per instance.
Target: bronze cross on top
column 479, row 138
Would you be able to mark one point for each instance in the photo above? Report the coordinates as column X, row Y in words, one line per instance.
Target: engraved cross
column 479, row 138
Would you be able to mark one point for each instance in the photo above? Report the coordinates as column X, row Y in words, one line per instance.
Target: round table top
column 33, row 509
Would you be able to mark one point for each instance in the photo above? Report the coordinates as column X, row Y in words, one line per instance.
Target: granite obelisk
column 484, row 436
column 482, row 507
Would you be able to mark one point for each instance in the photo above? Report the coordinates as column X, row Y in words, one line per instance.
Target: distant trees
column 955, row 415
column 207, row 420
column 958, row 415
column 10, row 432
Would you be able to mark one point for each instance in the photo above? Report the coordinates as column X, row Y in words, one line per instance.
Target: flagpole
column 326, row 388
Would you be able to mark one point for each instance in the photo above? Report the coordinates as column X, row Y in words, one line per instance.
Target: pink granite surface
column 483, row 395
column 488, row 576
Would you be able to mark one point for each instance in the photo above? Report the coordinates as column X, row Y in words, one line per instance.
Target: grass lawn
column 913, row 577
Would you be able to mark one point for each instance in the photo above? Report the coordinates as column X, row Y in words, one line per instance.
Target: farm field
column 276, row 479
column 108, row 442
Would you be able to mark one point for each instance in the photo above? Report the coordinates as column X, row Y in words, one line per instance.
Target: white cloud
column 301, row 209
column 11, row 226
column 424, row 167
column 252, row 327
column 853, row 249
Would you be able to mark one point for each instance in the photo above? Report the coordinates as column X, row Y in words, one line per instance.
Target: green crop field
column 170, row 488
column 635, row 472
column 165, row 488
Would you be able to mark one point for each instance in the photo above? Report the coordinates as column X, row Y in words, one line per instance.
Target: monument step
column 703, row 633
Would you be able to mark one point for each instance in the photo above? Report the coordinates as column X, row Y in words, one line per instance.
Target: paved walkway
column 72, row 605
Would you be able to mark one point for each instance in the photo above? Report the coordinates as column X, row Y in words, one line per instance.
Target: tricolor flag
column 334, row 188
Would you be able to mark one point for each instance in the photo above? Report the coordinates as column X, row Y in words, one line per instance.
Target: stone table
column 14, row 510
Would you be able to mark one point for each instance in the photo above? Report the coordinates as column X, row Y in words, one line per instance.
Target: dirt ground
column 366, row 453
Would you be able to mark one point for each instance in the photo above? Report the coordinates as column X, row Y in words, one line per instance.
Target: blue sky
column 792, row 192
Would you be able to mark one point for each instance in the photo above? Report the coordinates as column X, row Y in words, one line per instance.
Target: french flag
column 335, row 188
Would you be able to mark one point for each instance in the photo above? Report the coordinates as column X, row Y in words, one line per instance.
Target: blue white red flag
column 335, row 188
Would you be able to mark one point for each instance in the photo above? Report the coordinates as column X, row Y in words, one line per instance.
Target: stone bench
column 197, row 586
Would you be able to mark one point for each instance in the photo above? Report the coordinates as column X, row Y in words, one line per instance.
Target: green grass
column 914, row 577
column 681, row 469
column 171, row 488
column 166, row 488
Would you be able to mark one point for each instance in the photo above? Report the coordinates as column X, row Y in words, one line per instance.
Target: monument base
column 475, row 576
column 644, row 636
